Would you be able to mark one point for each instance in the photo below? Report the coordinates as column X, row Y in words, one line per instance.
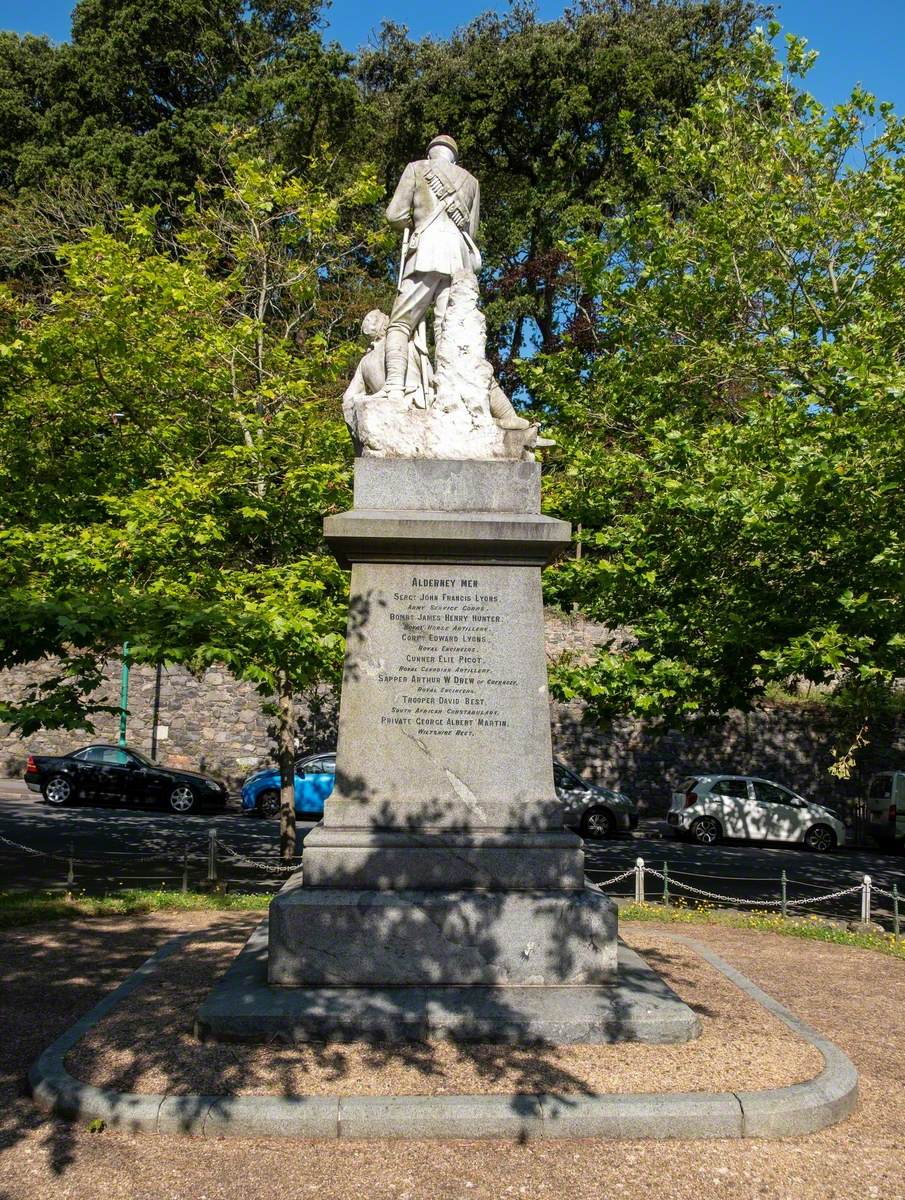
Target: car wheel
column 269, row 803
column 182, row 799
column 820, row 838
column 706, row 831
column 597, row 823
column 58, row 791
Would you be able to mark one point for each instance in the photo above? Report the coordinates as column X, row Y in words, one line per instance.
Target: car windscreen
column 317, row 766
column 880, row 788
column 563, row 777
column 687, row 784
column 108, row 756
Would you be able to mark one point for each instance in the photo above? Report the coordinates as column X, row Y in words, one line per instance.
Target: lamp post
column 123, row 694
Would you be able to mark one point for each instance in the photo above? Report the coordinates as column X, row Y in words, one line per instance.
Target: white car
column 711, row 807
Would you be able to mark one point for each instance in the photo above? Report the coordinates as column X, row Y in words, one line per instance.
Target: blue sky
column 860, row 41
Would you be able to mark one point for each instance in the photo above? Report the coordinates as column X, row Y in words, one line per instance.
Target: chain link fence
column 213, row 862
column 198, row 863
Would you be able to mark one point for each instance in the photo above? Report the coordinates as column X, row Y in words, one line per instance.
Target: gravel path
column 51, row 975
column 146, row 1045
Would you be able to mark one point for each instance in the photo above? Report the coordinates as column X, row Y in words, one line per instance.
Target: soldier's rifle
column 406, row 238
column 420, row 338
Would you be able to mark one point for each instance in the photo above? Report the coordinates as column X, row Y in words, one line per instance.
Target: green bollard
column 666, row 885
column 782, row 882
column 895, row 913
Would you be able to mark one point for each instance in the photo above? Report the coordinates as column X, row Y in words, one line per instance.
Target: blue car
column 314, row 779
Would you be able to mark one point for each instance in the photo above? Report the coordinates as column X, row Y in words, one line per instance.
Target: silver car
column 596, row 812
column 711, row 807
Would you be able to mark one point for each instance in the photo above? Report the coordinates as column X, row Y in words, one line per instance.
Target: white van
column 886, row 808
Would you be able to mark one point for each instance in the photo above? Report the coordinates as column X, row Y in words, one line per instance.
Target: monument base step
column 336, row 937
column 638, row 1007
column 446, row 860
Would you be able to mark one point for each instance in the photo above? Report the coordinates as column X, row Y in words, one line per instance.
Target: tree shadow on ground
column 50, row 976
column 148, row 1045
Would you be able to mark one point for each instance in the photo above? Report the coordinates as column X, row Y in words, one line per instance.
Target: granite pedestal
column 441, row 866
column 442, row 857
column 637, row 1007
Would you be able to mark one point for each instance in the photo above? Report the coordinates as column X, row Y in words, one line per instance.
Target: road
column 114, row 846
column 125, row 846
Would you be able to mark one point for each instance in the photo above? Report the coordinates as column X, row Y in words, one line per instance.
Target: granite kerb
column 777, row 1112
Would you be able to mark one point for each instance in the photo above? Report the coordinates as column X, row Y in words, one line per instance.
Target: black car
column 107, row 772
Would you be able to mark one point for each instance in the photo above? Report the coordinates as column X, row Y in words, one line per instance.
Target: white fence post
column 865, row 900
column 639, row 880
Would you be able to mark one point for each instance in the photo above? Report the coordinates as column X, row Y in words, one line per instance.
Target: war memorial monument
column 441, row 894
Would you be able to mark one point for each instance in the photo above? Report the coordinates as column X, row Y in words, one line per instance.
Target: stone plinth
column 442, row 857
column 639, row 1006
column 441, row 896
column 493, row 860
column 420, row 937
column 447, row 485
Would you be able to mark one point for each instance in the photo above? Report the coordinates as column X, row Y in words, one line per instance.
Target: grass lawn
column 32, row 908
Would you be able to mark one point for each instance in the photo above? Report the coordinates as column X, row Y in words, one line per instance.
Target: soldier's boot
column 396, row 357
column 502, row 411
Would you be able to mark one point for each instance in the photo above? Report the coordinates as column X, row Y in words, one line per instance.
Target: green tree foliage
column 715, row 277
column 135, row 95
column 171, row 438
column 734, row 446
column 536, row 108
column 128, row 109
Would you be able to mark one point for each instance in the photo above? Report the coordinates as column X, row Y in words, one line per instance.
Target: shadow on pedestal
column 441, row 897
column 637, row 1007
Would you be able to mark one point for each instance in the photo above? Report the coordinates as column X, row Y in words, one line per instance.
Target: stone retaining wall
column 791, row 744
column 212, row 723
column 216, row 723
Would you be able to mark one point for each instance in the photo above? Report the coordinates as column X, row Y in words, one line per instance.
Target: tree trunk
column 517, row 335
column 545, row 321
column 286, row 758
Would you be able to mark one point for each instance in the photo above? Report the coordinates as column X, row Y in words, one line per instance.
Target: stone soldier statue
column 437, row 204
